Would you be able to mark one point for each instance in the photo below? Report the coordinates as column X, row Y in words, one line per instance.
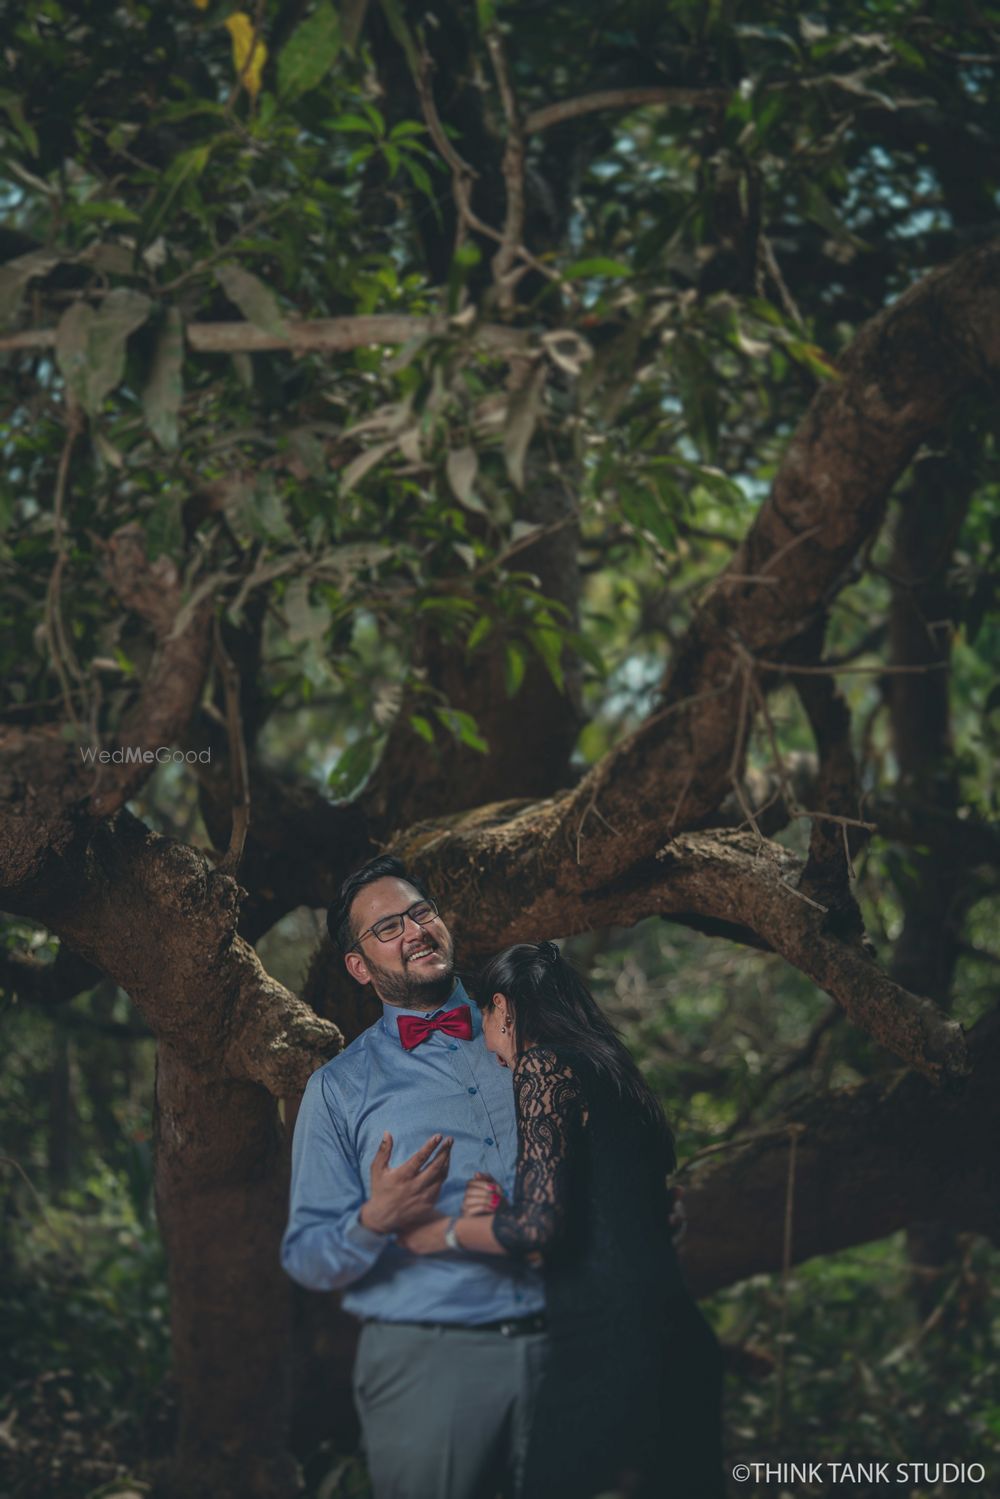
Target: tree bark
column 937, row 890
column 222, row 1196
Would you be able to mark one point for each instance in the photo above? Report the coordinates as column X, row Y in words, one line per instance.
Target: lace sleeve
column 550, row 1113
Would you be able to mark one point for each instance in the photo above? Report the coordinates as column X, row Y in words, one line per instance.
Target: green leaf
column 12, row 106
column 549, row 645
column 256, row 301
column 102, row 211
column 420, row 725
column 462, row 468
column 421, row 181
column 522, row 417
column 14, row 278
column 376, row 116
column 358, row 467
column 513, row 668
column 306, row 621
column 463, row 726
column 261, row 510
column 478, row 633
column 600, row 265
column 165, row 526
column 486, row 15
column 353, row 766
column 403, row 34
column 350, row 123
column 309, row 53
column 814, row 359
column 164, row 390
column 182, row 172
column 90, row 344
column 405, row 128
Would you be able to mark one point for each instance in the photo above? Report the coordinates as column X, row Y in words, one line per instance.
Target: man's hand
column 402, row 1196
column 482, row 1195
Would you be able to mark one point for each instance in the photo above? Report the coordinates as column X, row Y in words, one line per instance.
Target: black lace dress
column 631, row 1397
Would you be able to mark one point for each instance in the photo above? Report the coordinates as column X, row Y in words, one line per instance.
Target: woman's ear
column 502, row 1009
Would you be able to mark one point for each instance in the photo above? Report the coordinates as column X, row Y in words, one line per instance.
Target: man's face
column 413, row 969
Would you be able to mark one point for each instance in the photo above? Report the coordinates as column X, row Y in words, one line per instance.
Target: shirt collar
column 458, row 996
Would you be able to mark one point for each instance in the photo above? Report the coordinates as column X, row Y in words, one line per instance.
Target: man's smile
column 422, row 954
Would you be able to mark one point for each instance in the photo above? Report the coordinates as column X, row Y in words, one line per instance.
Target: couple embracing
column 526, row 1328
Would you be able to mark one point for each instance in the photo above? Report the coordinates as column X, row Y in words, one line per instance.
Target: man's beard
column 414, row 991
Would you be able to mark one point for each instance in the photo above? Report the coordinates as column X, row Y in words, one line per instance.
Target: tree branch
column 199, row 987
column 321, row 335
column 870, row 1160
column 513, row 174
column 173, row 684
column 621, row 99
column 496, row 888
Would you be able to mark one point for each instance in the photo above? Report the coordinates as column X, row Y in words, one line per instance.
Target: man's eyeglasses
column 422, row 912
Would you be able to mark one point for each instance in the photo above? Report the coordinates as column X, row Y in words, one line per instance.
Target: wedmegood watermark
column 859, row 1472
column 132, row 754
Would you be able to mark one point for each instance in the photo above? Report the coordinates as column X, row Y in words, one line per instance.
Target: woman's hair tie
column 548, row 952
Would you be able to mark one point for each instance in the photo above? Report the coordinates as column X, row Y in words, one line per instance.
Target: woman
column 631, row 1397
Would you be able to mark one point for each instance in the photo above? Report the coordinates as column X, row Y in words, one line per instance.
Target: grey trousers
column 445, row 1411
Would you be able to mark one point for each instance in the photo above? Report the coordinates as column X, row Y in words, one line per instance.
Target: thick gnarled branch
column 869, row 1160
column 735, row 880
column 199, row 987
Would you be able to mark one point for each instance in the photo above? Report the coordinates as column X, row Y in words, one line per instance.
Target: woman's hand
column 482, row 1195
column 425, row 1238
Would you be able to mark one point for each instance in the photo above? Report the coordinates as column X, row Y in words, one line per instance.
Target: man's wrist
column 369, row 1218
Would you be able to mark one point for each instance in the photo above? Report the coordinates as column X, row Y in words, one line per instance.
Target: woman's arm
column 472, row 1234
column 550, row 1114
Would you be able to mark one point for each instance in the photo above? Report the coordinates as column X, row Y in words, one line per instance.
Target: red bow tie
column 416, row 1028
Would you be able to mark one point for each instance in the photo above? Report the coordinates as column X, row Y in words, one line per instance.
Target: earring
column 503, row 1030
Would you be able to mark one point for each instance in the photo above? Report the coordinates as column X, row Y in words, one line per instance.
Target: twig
column 793, row 669
column 513, row 174
column 238, row 774
column 8, row 1160
column 463, row 176
column 621, row 98
column 774, row 271
column 790, row 546
column 62, row 653
column 794, row 1131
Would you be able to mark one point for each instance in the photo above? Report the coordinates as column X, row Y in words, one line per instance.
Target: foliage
column 676, row 332
column 85, row 1337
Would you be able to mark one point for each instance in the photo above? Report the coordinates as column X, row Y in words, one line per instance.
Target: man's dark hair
column 338, row 917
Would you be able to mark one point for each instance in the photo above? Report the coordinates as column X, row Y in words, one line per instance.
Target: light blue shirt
column 443, row 1086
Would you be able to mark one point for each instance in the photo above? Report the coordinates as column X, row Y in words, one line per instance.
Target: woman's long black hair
column 552, row 1006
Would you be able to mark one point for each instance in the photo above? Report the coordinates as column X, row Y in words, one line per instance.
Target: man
column 453, row 1346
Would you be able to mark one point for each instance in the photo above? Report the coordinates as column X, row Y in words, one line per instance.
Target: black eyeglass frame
column 399, row 916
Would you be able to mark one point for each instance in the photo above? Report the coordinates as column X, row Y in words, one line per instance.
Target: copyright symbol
column 741, row 1472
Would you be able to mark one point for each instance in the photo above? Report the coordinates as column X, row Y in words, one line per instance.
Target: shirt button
column 487, row 1141
column 472, row 1090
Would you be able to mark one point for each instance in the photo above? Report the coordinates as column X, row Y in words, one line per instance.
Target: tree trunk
column 221, row 1193
column 936, row 892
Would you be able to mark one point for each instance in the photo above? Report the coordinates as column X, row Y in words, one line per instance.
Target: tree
column 353, row 361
